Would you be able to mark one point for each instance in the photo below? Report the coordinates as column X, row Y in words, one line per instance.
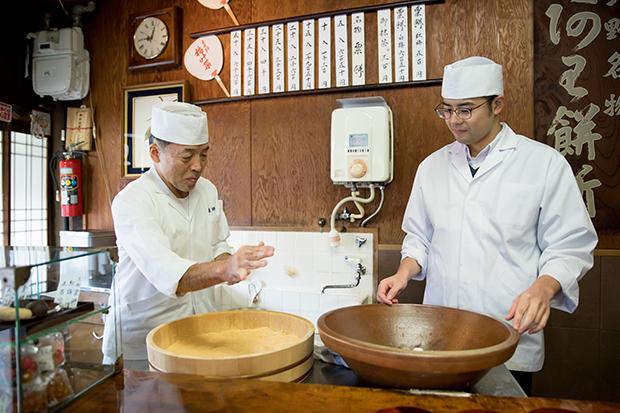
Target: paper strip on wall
column 325, row 57
column 358, row 49
column 249, row 45
column 263, row 60
column 341, row 46
column 292, row 33
column 418, row 39
column 401, row 44
column 235, row 63
column 277, row 40
column 384, row 40
column 308, row 55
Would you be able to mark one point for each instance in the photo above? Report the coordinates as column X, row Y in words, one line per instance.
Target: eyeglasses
column 461, row 113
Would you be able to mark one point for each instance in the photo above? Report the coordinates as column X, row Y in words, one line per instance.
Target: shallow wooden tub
column 286, row 364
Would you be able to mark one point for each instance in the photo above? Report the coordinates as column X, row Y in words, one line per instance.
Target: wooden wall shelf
column 342, row 89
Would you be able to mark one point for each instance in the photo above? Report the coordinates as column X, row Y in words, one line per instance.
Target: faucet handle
column 360, row 241
column 353, row 260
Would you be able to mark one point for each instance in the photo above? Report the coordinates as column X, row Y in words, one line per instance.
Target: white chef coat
column 481, row 241
column 159, row 236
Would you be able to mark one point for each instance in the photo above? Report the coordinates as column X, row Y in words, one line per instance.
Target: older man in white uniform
column 171, row 233
column 495, row 221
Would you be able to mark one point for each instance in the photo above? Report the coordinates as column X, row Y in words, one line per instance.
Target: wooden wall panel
column 108, row 63
column 270, row 157
column 228, row 164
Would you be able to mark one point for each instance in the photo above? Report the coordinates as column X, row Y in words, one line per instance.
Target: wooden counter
column 140, row 391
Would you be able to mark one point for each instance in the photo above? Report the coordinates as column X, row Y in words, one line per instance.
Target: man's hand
column 390, row 287
column 247, row 258
column 225, row 268
column 531, row 309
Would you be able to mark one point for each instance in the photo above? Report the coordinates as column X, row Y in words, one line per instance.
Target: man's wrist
column 404, row 275
column 549, row 285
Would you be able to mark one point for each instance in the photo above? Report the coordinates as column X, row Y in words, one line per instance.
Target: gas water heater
column 361, row 142
column 362, row 155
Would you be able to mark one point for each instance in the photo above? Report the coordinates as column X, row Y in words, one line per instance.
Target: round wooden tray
column 287, row 364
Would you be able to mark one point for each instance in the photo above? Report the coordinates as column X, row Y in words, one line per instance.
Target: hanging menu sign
column 308, row 54
column 263, row 60
column 418, row 41
column 384, row 41
column 358, row 49
column 248, row 69
column 325, row 56
column 235, row 63
column 401, row 44
column 341, row 48
column 292, row 33
column 278, row 57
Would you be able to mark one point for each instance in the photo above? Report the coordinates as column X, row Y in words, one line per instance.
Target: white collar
column 477, row 160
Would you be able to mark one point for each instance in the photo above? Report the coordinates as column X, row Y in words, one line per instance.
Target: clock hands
column 152, row 33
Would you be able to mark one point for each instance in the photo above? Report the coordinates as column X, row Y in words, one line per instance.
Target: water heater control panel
column 362, row 142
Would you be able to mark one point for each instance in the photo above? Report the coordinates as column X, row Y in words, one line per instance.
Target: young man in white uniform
column 495, row 221
column 171, row 234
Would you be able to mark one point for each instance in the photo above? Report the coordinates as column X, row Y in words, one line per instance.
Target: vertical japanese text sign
column 577, row 96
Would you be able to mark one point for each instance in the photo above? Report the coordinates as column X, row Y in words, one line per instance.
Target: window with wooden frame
column 25, row 200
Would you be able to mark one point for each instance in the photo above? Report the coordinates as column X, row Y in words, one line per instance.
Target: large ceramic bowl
column 417, row 346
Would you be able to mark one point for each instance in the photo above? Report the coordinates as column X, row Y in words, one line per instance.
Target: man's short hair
column 158, row 142
column 490, row 100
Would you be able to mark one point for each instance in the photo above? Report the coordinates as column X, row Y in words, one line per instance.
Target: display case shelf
column 49, row 358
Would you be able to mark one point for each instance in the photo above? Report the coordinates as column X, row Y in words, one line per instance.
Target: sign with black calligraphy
column 292, row 40
column 401, row 44
column 384, row 41
column 235, row 63
column 249, row 45
column 341, row 44
column 418, row 40
column 263, row 59
column 277, row 47
column 325, row 57
column 358, row 49
column 577, row 97
column 308, row 54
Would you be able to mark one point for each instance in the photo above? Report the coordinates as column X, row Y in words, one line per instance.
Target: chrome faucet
column 359, row 271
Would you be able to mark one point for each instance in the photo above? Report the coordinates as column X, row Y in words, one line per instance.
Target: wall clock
column 155, row 38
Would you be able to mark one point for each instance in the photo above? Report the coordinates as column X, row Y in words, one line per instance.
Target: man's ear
column 154, row 151
column 498, row 105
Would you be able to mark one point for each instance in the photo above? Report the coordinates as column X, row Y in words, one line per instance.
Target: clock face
column 150, row 38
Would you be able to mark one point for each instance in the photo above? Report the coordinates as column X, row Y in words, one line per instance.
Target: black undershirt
column 473, row 171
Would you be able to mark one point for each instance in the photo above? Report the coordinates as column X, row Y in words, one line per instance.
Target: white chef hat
column 471, row 78
column 179, row 122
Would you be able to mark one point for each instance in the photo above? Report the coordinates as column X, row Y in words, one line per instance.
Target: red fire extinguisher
column 71, row 199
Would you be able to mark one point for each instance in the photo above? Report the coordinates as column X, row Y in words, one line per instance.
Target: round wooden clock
column 155, row 38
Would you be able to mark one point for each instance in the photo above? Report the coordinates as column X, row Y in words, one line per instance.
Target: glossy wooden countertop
column 141, row 391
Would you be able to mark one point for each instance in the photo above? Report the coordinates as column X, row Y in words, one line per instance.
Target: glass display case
column 53, row 304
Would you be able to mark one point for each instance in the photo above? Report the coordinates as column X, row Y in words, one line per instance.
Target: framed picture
column 137, row 119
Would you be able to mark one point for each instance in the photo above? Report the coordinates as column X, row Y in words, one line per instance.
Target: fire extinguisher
column 71, row 198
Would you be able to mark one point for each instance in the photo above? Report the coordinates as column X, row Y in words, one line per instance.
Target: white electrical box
column 60, row 64
column 362, row 142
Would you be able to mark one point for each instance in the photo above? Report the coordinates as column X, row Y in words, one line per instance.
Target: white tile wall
column 302, row 265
